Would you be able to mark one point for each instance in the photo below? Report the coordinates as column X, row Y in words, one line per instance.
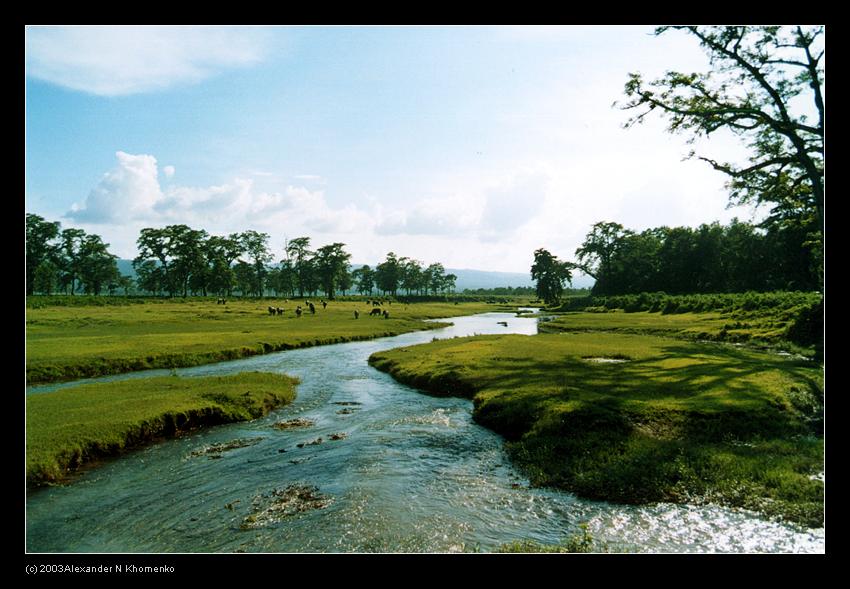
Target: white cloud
column 168, row 171
column 121, row 60
column 127, row 192
column 449, row 215
column 129, row 196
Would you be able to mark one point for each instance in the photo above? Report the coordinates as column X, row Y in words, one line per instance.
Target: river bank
column 73, row 427
column 69, row 343
column 640, row 419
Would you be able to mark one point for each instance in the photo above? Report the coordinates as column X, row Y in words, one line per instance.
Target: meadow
column 66, row 340
column 72, row 427
column 636, row 418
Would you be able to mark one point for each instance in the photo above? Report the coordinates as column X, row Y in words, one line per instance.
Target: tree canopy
column 765, row 86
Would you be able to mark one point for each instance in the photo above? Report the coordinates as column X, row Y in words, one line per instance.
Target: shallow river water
column 413, row 473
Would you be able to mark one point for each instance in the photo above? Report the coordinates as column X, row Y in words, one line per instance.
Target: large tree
column 332, row 266
column 298, row 255
column 766, row 86
column 256, row 246
column 365, row 278
column 40, row 250
column 550, row 274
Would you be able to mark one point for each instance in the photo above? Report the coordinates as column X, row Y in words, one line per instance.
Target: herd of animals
column 376, row 311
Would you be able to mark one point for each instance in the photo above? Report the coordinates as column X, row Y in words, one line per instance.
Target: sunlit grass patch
column 75, row 425
column 679, row 421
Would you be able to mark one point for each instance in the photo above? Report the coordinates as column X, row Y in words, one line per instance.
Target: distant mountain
column 466, row 279
column 475, row 279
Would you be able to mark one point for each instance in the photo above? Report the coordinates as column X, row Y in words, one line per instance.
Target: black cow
column 375, row 311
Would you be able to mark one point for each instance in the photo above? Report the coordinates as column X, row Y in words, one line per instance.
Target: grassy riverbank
column 70, row 342
column 76, row 425
column 674, row 420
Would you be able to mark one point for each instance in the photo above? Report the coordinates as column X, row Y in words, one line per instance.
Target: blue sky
column 471, row 146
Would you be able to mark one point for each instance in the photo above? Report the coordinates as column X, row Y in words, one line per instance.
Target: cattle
column 386, row 314
column 272, row 310
column 356, row 314
column 221, row 302
column 280, row 310
column 324, row 305
column 312, row 308
column 298, row 311
column 375, row 311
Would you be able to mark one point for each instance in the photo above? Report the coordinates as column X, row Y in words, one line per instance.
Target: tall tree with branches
column 766, row 86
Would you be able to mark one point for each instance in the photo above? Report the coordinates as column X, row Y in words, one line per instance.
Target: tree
column 244, row 277
column 97, row 267
column 70, row 258
column 154, row 244
column 759, row 79
column 45, row 278
column 365, row 278
column 597, row 254
column 255, row 245
column 298, row 254
column 449, row 282
column 40, row 248
column 220, row 253
column 411, row 275
column 550, row 274
column 388, row 274
column 332, row 267
column 435, row 276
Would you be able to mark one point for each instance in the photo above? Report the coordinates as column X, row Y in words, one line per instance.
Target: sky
column 472, row 146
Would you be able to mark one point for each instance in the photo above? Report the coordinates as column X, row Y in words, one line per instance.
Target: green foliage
column 73, row 426
column 579, row 543
column 770, row 317
column 758, row 76
column 550, row 274
column 671, row 421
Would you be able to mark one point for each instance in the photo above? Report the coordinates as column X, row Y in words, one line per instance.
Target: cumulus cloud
column 168, row 171
column 122, row 60
column 127, row 192
column 131, row 192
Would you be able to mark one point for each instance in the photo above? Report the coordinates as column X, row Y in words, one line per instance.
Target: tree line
column 711, row 258
column 178, row 260
column 68, row 260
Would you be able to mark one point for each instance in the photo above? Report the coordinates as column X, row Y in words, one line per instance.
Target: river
column 412, row 473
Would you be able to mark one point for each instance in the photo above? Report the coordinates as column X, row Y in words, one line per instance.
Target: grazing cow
column 324, row 305
column 386, row 314
column 312, row 308
column 376, row 303
column 280, row 310
column 298, row 311
column 272, row 310
column 375, row 311
column 356, row 314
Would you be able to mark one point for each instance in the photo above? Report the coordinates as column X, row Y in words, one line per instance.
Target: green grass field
column 674, row 420
column 70, row 342
column 754, row 327
column 73, row 426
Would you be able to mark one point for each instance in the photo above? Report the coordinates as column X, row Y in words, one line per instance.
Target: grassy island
column 636, row 418
column 76, row 425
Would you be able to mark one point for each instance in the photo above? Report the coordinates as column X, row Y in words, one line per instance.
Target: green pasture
column 640, row 418
column 69, row 342
column 73, row 426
